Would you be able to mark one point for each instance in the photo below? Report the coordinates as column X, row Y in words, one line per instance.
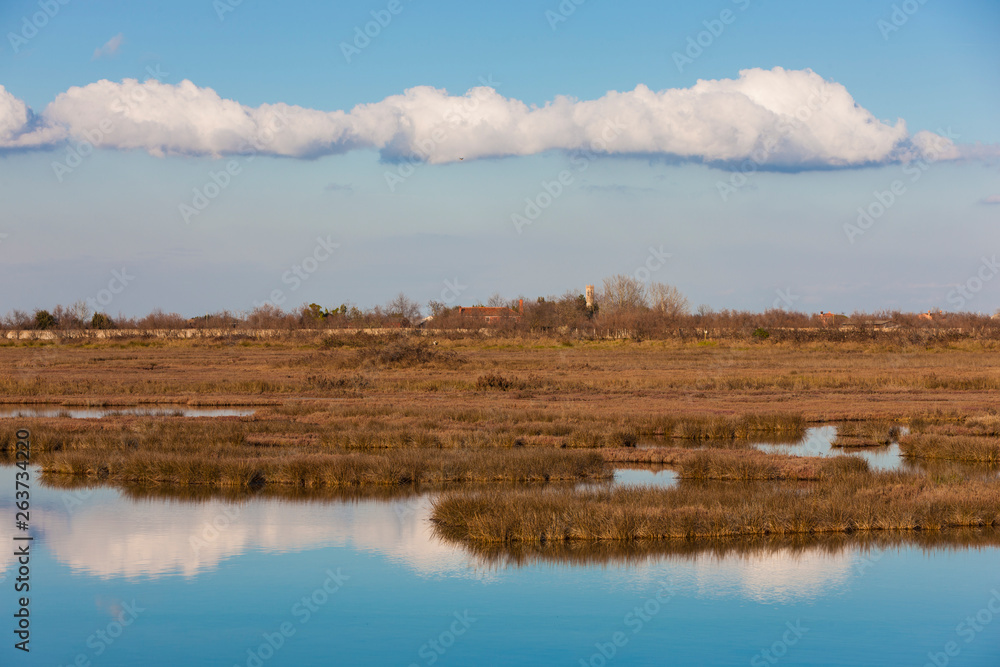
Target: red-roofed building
column 491, row 314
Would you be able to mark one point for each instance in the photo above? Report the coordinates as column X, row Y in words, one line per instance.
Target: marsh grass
column 851, row 502
column 741, row 427
column 719, row 430
column 971, row 438
column 199, row 493
column 242, row 453
column 749, row 464
column 951, row 447
column 868, row 545
column 403, row 351
column 869, row 433
column 330, row 470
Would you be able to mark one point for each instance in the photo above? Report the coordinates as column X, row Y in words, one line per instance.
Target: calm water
column 96, row 413
column 367, row 582
column 648, row 476
column 817, row 442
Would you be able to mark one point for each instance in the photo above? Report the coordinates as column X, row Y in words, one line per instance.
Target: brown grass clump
column 951, row 447
column 854, row 501
column 984, row 424
column 971, row 438
column 331, row 470
column 869, row 433
column 750, row 464
column 497, row 382
column 402, row 352
column 721, row 427
column 245, row 452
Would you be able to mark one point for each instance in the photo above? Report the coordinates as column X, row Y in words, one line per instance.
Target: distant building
column 490, row 314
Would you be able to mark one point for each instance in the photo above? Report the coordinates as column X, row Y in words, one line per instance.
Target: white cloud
column 992, row 200
column 20, row 128
column 779, row 119
column 110, row 48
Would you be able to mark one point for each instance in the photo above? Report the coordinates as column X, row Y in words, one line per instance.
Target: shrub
column 101, row 321
column 495, row 381
column 44, row 320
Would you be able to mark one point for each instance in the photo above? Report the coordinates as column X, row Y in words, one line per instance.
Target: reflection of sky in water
column 817, row 442
column 98, row 533
column 779, row 577
column 101, row 534
column 645, row 477
column 209, row 605
column 27, row 412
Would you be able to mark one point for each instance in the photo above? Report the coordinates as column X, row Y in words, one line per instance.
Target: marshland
column 454, row 471
column 353, row 409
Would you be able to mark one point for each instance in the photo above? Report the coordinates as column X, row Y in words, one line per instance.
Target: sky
column 202, row 155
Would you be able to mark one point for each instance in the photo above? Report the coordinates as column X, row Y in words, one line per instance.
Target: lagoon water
column 180, row 410
column 218, row 582
column 818, row 442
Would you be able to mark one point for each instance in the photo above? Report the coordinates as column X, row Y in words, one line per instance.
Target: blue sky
column 434, row 221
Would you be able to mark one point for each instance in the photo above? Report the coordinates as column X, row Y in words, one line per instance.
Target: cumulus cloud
column 778, row 119
column 110, row 48
column 20, row 128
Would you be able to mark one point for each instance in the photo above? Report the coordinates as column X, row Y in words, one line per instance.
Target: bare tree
column 403, row 306
column 667, row 299
column 497, row 301
column 18, row 319
column 623, row 293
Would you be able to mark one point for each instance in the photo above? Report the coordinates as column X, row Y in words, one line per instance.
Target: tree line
column 622, row 306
